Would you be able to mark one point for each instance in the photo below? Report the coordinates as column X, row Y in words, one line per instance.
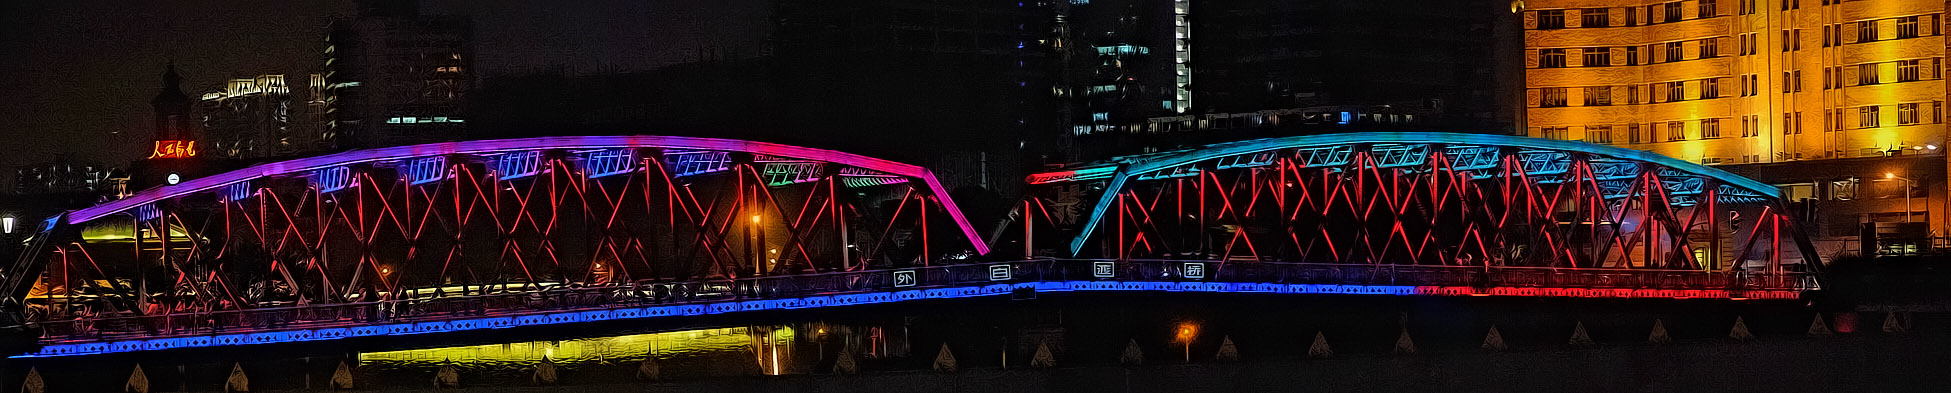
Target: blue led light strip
column 726, row 307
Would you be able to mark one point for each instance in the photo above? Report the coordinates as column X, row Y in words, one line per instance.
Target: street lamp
column 7, row 225
column 1893, row 176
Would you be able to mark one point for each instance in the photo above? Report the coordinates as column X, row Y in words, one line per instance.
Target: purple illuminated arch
column 505, row 145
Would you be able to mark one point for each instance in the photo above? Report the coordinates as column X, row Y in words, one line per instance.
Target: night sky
column 77, row 75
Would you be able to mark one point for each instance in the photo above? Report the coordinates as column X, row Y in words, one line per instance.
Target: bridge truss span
column 1419, row 199
column 481, row 218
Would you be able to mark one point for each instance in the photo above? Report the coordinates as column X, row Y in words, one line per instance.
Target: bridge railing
column 508, row 301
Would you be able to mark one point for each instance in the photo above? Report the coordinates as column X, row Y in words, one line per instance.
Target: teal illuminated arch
column 1127, row 167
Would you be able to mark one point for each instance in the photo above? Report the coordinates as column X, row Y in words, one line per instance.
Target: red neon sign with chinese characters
column 173, row 149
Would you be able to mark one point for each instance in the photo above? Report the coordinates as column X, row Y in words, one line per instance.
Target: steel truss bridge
column 503, row 233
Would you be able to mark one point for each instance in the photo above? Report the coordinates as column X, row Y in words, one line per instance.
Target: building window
column 1786, row 43
column 1710, row 128
column 1673, row 12
column 1796, row 80
column 1797, row 40
column 1907, row 70
column 1937, row 111
column 1832, row 35
column 1748, row 6
column 1836, row 120
column 1593, row 17
column 1907, row 27
column 1866, row 31
column 1672, row 52
column 1676, row 131
column 1632, row 55
column 1552, row 132
column 1676, row 91
column 1710, row 88
column 1788, row 124
column 1632, row 133
column 1867, row 116
column 1598, row 134
column 1710, row 48
column 1796, row 123
column 1551, row 58
column 1632, row 15
column 1553, row 97
column 1632, row 94
column 1866, row 74
column 1786, row 86
column 1598, row 96
column 1551, row 19
column 1828, row 78
column 1707, row 9
column 1906, row 114
column 1597, row 57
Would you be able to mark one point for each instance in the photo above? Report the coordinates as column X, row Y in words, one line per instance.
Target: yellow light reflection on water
column 600, row 349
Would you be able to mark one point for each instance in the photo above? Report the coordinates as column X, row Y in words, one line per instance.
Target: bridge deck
column 508, row 307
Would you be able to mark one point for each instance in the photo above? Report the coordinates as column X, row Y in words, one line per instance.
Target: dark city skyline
column 93, row 66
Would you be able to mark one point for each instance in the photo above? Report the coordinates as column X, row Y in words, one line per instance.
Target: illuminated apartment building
column 1836, row 101
column 396, row 76
column 250, row 118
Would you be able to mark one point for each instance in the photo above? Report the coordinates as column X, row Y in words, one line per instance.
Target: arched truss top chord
column 786, row 164
column 1547, row 160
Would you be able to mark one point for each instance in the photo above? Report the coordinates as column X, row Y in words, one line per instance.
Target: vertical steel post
column 922, row 209
column 1029, row 234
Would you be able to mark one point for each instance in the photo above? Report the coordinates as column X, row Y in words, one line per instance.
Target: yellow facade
column 1758, row 81
column 1839, row 102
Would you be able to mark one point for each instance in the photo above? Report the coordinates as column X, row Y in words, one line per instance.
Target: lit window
column 1598, row 134
column 1676, row 91
column 1866, row 31
column 1907, row 71
column 1598, row 96
column 1552, row 97
column 1676, row 131
column 1867, row 117
column 1710, row 128
column 1551, row 19
column 1907, row 27
column 1551, row 58
column 1907, row 114
column 1710, row 88
column 1597, row 57
column 1594, row 17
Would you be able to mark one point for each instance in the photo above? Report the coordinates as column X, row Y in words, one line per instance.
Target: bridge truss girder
column 1418, row 199
column 484, row 217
